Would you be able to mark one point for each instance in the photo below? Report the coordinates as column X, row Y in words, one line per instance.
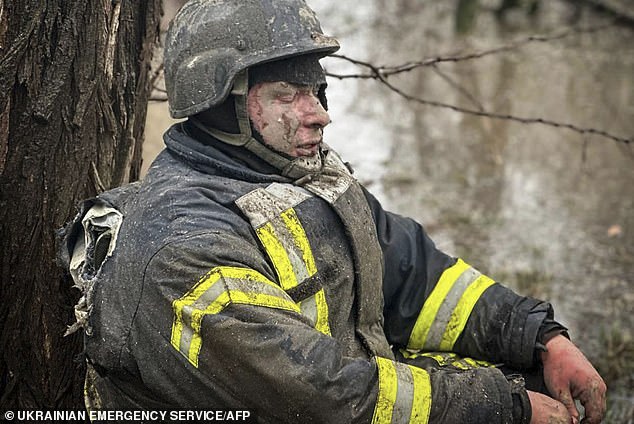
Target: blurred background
column 546, row 209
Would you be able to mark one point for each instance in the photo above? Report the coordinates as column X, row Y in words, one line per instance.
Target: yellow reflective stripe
column 477, row 363
column 421, row 404
column 215, row 298
column 299, row 237
column 442, row 358
column 462, row 311
column 449, row 358
column 284, row 266
column 388, row 388
column 404, row 394
column 432, row 304
column 321, row 323
column 228, row 298
column 202, row 286
column 278, row 256
column 285, row 242
column 190, row 297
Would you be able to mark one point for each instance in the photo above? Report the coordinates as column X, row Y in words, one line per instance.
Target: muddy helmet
column 210, row 42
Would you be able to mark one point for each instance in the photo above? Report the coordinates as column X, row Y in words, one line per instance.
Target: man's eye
column 286, row 98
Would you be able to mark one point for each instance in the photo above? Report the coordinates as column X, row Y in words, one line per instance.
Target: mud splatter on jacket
column 225, row 287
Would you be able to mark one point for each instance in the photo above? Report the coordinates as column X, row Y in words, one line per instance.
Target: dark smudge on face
column 289, row 117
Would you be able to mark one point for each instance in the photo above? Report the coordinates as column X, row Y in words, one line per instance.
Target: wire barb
column 381, row 74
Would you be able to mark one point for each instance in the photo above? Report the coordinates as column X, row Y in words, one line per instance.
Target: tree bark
column 74, row 86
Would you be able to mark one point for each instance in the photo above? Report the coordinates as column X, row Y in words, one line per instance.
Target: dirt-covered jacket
column 213, row 284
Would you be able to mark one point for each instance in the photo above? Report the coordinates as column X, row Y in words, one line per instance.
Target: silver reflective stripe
column 272, row 215
column 299, row 269
column 288, row 194
column 200, row 304
column 405, row 397
column 260, row 206
column 263, row 205
column 438, row 327
column 219, row 288
column 294, row 254
column 309, row 309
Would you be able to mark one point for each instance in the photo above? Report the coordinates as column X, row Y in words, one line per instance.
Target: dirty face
column 289, row 117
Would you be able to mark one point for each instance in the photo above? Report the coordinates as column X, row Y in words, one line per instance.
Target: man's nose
column 313, row 113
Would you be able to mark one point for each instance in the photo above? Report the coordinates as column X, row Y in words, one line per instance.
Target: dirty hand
column 569, row 375
column 546, row 410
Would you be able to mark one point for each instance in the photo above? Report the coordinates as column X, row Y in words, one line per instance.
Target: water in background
column 546, row 210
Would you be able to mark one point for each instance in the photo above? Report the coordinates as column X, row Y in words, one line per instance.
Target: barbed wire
column 459, row 87
column 381, row 74
column 387, row 71
column 508, row 117
column 156, row 75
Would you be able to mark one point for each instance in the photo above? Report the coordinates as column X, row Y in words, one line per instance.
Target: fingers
column 593, row 400
column 546, row 410
column 569, row 375
column 565, row 397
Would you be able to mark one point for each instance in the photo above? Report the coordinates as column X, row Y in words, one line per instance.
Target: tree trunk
column 74, row 86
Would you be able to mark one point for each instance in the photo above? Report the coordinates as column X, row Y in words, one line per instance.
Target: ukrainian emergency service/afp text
column 131, row 416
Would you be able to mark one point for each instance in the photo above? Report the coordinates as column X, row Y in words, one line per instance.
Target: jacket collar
column 205, row 154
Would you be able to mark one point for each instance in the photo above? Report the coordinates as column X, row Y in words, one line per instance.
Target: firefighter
column 251, row 270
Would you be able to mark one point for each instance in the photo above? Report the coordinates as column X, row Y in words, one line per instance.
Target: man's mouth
column 308, row 148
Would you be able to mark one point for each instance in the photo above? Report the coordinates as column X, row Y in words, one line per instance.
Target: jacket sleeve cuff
column 526, row 334
column 522, row 412
column 466, row 392
column 549, row 329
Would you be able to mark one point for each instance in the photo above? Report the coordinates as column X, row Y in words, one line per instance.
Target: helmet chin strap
column 289, row 167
